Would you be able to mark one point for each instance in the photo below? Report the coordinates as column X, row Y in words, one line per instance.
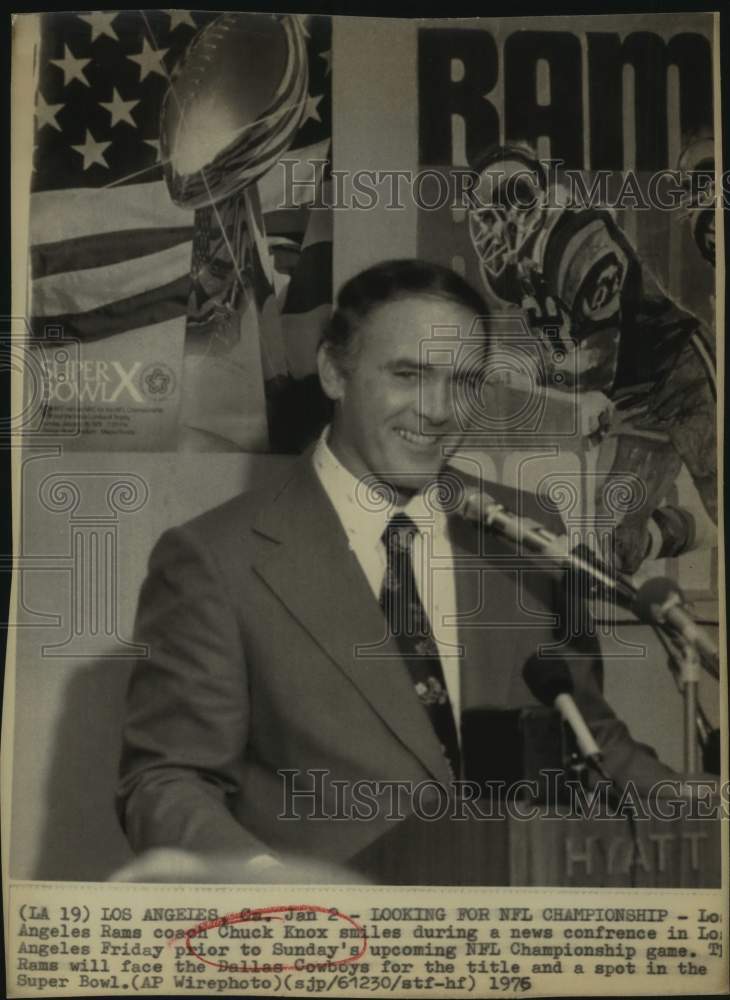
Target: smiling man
column 322, row 638
column 406, row 338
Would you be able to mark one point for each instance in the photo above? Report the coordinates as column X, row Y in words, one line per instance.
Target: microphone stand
column 684, row 664
column 684, row 660
column 688, row 662
column 689, row 676
column 616, row 586
column 595, row 763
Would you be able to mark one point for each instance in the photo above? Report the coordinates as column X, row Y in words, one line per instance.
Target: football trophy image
column 237, row 103
column 234, row 105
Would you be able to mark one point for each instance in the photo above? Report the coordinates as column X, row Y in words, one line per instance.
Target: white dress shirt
column 364, row 522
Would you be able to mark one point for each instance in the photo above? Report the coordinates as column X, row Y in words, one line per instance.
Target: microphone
column 550, row 682
column 524, row 531
column 484, row 509
column 660, row 601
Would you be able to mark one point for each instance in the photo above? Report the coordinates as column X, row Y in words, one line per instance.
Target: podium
column 519, row 840
column 547, row 849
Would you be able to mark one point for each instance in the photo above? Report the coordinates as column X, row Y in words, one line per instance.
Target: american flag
column 110, row 252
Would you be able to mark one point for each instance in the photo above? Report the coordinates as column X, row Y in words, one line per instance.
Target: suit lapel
column 317, row 576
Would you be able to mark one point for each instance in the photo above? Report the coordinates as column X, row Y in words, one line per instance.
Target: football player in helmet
column 582, row 286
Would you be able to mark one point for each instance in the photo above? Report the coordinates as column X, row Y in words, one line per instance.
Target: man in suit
column 283, row 654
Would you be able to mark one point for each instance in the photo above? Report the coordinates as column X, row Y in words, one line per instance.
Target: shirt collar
column 363, row 517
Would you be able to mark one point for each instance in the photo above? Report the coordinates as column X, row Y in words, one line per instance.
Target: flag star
column 149, row 60
column 100, row 23
column 92, row 151
column 73, row 68
column 179, row 17
column 311, row 109
column 121, row 111
column 155, row 143
column 46, row 113
column 327, row 56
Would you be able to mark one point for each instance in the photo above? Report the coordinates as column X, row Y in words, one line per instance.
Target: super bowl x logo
column 158, row 381
column 71, row 380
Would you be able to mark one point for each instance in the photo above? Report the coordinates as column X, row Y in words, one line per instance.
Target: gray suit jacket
column 267, row 652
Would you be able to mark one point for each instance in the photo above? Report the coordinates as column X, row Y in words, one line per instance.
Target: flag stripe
column 108, row 248
column 155, row 306
column 77, row 212
column 82, row 291
column 65, row 215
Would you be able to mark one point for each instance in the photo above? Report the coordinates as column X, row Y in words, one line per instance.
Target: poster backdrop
column 178, row 280
column 566, row 167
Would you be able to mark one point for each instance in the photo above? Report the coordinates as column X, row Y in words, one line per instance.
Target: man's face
column 395, row 413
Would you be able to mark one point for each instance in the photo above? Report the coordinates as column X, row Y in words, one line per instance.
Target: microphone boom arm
column 531, row 534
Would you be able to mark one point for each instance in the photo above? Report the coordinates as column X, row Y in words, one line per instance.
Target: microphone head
column 546, row 679
column 654, row 596
column 476, row 505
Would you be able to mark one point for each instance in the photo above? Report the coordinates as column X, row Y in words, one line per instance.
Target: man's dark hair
column 386, row 282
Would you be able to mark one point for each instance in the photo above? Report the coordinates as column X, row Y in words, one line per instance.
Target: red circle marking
column 245, row 915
